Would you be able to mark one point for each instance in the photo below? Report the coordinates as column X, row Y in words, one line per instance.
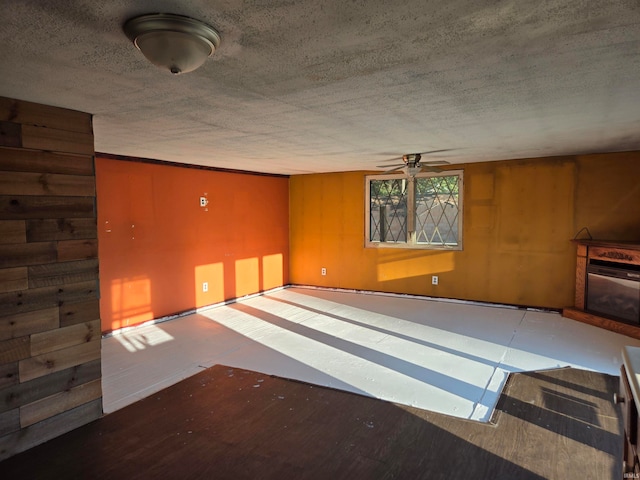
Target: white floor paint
column 448, row 357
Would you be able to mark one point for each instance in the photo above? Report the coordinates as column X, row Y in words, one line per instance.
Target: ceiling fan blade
column 393, row 159
column 390, row 166
column 436, row 151
column 402, row 157
column 435, row 162
column 400, row 167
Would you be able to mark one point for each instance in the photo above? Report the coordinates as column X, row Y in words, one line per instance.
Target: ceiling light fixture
column 173, row 42
column 413, row 171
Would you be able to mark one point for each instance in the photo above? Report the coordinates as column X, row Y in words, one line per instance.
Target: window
column 424, row 211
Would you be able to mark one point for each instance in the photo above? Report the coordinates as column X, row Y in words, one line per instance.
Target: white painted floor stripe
column 447, row 357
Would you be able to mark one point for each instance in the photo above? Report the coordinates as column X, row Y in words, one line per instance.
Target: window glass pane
column 388, row 210
column 437, row 210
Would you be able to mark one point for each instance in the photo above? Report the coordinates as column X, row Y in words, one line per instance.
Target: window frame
column 411, row 242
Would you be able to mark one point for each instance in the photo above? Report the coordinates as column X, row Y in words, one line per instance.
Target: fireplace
column 607, row 286
column 613, row 290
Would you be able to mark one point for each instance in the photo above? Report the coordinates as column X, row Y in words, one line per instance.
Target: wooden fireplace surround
column 620, row 252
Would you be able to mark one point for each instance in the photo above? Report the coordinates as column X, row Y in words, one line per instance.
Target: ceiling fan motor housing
column 412, row 159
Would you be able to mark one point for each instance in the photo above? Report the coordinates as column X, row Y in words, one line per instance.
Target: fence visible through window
column 420, row 212
column 437, row 210
column 388, row 210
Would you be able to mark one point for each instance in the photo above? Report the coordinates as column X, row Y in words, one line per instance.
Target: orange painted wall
column 519, row 217
column 157, row 245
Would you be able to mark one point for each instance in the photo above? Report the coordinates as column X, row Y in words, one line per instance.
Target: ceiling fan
column 413, row 164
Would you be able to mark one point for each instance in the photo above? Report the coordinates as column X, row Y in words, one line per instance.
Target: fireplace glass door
column 614, row 293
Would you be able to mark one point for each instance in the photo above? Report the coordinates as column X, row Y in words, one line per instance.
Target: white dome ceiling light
column 172, row 42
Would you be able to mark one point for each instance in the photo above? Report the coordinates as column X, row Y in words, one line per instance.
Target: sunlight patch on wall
column 415, row 266
column 213, row 276
column 130, row 301
column 247, row 276
column 272, row 271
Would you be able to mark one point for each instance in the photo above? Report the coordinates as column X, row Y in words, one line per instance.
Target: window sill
column 410, row 246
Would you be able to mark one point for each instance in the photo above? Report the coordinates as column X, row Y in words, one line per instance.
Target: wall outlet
column 204, row 202
column 434, row 280
column 205, row 286
column 323, row 271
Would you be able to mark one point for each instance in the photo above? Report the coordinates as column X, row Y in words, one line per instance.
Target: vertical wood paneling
column 581, row 268
column 49, row 326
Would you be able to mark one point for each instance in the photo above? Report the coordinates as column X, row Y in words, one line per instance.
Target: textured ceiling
column 317, row 86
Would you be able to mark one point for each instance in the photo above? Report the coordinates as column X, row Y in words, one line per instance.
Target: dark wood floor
column 227, row 423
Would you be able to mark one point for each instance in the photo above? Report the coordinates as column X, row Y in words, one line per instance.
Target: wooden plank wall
column 50, row 376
